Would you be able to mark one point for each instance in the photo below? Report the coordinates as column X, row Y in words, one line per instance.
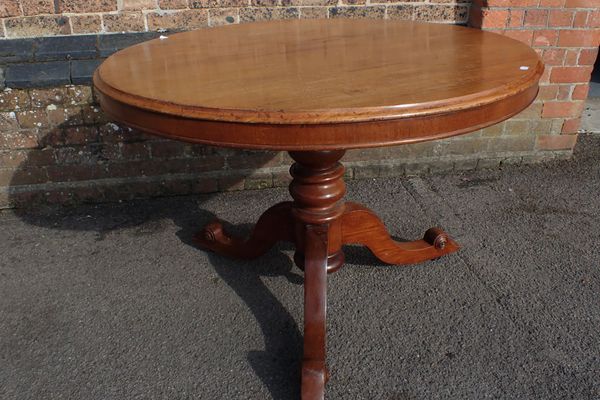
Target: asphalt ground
column 113, row 301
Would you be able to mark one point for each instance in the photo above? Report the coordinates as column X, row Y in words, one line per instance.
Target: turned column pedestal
column 319, row 222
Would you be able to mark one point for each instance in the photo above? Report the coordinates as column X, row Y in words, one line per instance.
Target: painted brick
column 82, row 71
column 66, row 48
column 16, row 50
column 37, row 74
column 570, row 74
column 556, row 142
column 108, row 44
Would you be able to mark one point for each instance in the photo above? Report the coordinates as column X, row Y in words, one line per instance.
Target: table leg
column 274, row 225
column 314, row 373
column 318, row 222
column 361, row 225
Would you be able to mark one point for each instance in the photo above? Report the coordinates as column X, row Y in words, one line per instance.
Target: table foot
column 274, row 225
column 318, row 223
column 314, row 372
column 362, row 226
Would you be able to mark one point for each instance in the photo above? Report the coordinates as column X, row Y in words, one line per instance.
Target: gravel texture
column 114, row 302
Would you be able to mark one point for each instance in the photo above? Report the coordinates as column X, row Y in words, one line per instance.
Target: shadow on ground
column 113, row 301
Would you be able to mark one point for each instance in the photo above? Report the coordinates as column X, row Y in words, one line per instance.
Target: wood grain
column 319, row 71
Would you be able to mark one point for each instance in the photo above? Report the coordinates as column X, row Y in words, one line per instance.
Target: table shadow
column 278, row 365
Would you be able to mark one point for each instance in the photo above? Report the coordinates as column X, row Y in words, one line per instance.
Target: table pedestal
column 318, row 222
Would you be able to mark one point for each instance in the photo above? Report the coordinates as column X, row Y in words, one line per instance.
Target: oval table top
column 319, row 84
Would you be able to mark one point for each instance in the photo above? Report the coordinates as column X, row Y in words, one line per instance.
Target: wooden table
column 316, row 88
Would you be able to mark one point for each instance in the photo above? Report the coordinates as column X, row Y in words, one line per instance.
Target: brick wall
column 56, row 146
column 566, row 34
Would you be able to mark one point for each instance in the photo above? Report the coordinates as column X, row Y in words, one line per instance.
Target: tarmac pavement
column 113, row 301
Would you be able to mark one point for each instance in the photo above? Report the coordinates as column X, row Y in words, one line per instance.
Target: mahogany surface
column 316, row 88
column 305, row 84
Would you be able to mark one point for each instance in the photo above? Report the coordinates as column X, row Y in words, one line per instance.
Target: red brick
column 580, row 92
column 580, row 19
column 548, row 92
column 552, row 3
column 594, row 19
column 571, row 125
column 525, row 36
column 581, row 3
column 535, row 17
column 557, row 109
column 578, row 38
column 516, row 18
column 556, row 142
column 564, row 92
column 512, row 3
column 587, row 56
column 494, row 18
column 553, row 56
column 570, row 74
column 560, row 18
column 545, row 78
column 9, row 8
column 571, row 58
column 545, row 37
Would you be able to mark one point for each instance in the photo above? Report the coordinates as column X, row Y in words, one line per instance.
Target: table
column 316, row 88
